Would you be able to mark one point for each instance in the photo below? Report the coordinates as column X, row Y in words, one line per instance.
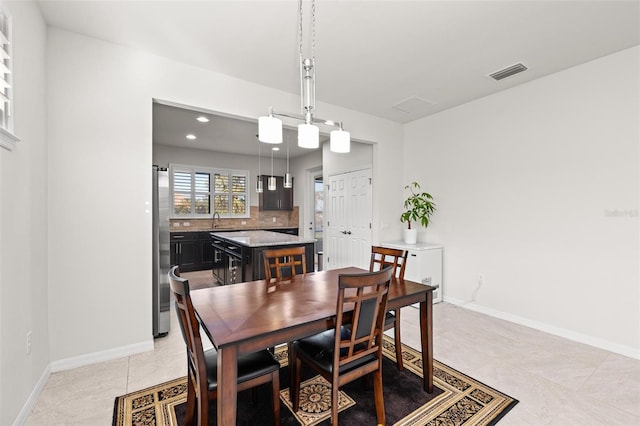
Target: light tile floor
column 557, row 381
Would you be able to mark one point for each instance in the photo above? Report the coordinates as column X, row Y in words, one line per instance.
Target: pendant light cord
column 301, row 47
column 313, row 29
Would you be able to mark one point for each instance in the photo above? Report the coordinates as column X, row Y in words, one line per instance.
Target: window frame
column 212, row 171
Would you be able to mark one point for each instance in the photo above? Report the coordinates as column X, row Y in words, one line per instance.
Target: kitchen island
column 237, row 256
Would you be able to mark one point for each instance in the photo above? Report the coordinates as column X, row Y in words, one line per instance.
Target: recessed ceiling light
column 202, row 119
column 191, row 136
column 275, row 148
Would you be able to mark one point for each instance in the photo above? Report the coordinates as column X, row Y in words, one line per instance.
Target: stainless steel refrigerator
column 161, row 246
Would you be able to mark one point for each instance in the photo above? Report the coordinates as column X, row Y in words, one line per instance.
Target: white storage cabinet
column 424, row 264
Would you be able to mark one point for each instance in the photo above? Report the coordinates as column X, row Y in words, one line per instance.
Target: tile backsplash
column 260, row 219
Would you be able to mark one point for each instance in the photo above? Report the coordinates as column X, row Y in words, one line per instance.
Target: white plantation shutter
column 5, row 72
column 7, row 139
column 231, row 193
column 199, row 192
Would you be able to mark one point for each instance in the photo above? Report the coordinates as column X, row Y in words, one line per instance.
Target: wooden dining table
column 255, row 315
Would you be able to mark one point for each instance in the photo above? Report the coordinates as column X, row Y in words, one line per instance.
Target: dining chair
column 284, row 263
column 382, row 257
column 353, row 349
column 254, row 369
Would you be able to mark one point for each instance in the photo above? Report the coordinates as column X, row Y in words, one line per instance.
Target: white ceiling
column 370, row 55
column 171, row 124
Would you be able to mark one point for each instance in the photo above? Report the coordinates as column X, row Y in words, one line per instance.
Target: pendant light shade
column 259, row 188
column 270, row 129
column 340, row 141
column 288, row 179
column 308, row 136
column 271, row 183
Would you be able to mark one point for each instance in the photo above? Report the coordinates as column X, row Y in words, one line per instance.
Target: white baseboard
column 78, row 361
column 33, row 398
column 107, row 355
column 547, row 328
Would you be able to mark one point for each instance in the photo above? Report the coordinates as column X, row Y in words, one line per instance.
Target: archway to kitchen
column 231, row 141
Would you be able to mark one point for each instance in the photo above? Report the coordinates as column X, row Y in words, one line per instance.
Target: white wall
column 360, row 157
column 300, row 169
column 23, row 221
column 527, row 183
column 99, row 110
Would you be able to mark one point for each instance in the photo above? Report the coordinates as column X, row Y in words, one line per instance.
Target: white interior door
column 336, row 219
column 348, row 219
column 360, row 214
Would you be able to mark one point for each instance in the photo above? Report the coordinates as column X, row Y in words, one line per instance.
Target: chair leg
column 203, row 406
column 396, row 334
column 334, row 404
column 191, row 402
column 275, row 391
column 379, row 399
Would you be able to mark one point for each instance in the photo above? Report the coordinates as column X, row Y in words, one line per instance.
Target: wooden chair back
column 368, row 294
column 354, row 348
column 284, row 263
column 381, row 257
column 190, row 331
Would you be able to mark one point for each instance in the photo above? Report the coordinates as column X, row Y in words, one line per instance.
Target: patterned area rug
column 457, row 399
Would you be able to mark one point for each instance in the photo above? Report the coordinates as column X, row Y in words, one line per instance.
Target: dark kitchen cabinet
column 183, row 250
column 191, row 251
column 230, row 261
column 280, row 199
column 205, row 252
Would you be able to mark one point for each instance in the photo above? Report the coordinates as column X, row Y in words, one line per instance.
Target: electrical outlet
column 481, row 279
column 244, row 222
column 274, row 220
column 29, row 342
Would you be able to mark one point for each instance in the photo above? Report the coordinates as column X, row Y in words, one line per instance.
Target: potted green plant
column 418, row 208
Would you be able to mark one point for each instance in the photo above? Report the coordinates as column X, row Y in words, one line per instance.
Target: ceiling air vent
column 507, row 72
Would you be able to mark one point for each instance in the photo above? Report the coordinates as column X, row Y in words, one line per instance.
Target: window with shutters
column 7, row 139
column 199, row 192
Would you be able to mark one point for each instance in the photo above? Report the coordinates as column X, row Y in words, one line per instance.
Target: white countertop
column 399, row 244
column 262, row 238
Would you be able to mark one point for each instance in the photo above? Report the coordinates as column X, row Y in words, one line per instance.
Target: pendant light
column 259, row 188
column 340, row 141
column 288, row 180
column 271, row 182
column 270, row 127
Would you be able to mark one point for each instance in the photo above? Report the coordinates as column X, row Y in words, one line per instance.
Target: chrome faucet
column 215, row 225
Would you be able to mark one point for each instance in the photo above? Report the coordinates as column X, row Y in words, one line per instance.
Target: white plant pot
column 410, row 236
